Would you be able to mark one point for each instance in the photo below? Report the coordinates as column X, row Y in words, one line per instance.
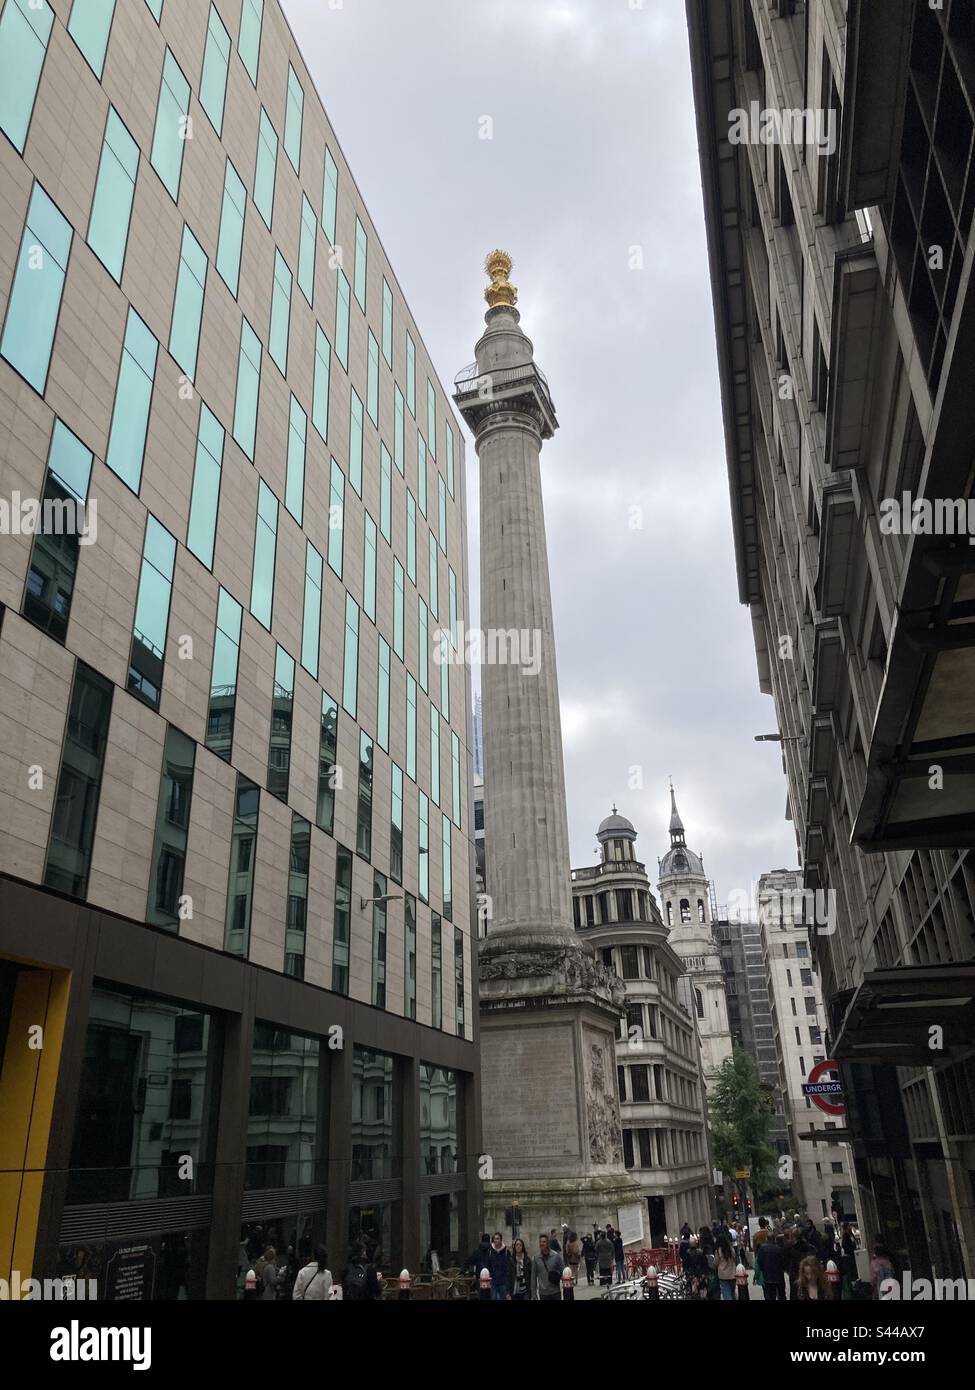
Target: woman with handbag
column 314, row 1282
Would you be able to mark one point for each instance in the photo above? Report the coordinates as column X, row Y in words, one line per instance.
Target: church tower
column 685, row 902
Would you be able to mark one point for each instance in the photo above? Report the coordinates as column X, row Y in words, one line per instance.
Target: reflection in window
column 396, row 826
column 342, row 920
column 172, row 825
column 223, row 678
column 240, row 883
column 79, row 783
column 328, row 773
column 54, row 556
column 363, row 839
column 375, row 1116
column 148, row 654
column 282, row 715
column 379, row 942
column 436, row 970
column 297, row 918
column 285, row 1126
column 439, row 1120
column 459, row 981
column 410, row 960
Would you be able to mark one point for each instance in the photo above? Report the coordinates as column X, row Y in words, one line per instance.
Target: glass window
column 293, row 119
column 409, row 981
column 355, row 442
column 54, row 554
column 376, row 1109
column 398, row 609
column 432, row 418
column 382, row 708
column 387, row 323
column 363, row 835
column 35, row 299
column 434, row 578
column 296, row 922
column 248, row 389
column 361, row 258
column 311, row 625
column 410, row 726
column 436, row 971
column 342, row 920
column 205, row 499
column 213, row 81
column 249, row 37
column 155, row 7
column 90, row 25
column 130, row 418
column 306, row 250
column 385, row 494
column 79, row 783
column 350, row 677
column 372, row 386
column 265, row 169
column 282, row 720
column 323, row 363
column 455, row 776
column 223, row 677
column 421, row 472
column 265, row 547
column 336, row 519
column 171, row 126
column 280, row 314
column 172, row 825
column 379, row 943
column 111, row 208
column 434, row 755
column 410, row 536
column 231, row 240
column 25, row 30
column 440, row 1147
column 459, row 981
column 448, row 892
column 398, row 428
column 424, row 847
column 369, row 569
column 452, row 600
column 240, row 879
column 294, row 492
column 184, row 335
column 450, row 460
column 329, row 778
column 396, row 835
column 442, row 515
column 148, row 654
column 423, row 644
column 411, row 374
column 342, row 319
column 330, row 190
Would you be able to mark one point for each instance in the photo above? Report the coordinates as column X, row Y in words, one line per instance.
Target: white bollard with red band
column 741, row 1279
column 568, row 1285
column 653, row 1290
column 405, row 1284
column 833, row 1276
column 485, row 1283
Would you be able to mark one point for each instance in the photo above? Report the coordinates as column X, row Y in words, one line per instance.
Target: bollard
column 833, row 1276
column 653, row 1290
column 568, row 1285
column 485, row 1285
column 405, row 1285
column 741, row 1279
column 250, row 1284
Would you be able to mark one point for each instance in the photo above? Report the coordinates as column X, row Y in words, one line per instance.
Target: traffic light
column 734, row 1198
column 749, row 1206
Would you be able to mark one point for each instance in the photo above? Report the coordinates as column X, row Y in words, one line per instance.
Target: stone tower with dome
column 685, row 901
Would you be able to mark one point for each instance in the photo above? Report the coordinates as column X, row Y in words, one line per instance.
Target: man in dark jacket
column 546, row 1278
column 695, row 1263
column 360, row 1281
column 620, row 1257
column 771, row 1261
column 604, row 1259
column 499, row 1267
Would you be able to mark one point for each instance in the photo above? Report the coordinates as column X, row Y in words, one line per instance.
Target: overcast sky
column 592, row 165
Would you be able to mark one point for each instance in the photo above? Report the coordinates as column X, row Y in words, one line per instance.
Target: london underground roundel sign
column 824, row 1088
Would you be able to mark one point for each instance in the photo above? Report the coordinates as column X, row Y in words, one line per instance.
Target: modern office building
column 841, row 262
column 658, row 1051
column 685, row 903
column 821, row 1169
column 236, row 862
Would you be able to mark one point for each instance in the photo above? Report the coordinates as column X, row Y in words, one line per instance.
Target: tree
column 740, row 1108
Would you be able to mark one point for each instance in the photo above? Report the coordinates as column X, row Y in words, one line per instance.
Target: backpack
column 356, row 1279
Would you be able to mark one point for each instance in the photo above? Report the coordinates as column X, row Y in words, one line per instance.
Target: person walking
column 812, row 1282
column 573, row 1254
column 604, row 1258
column 314, row 1281
column 589, row 1257
column 770, row 1262
column 553, row 1241
column 546, row 1273
column 725, row 1266
column 360, row 1281
column 695, row 1268
column 266, row 1270
column 619, row 1255
column 499, row 1268
column 881, row 1267
column 521, row 1272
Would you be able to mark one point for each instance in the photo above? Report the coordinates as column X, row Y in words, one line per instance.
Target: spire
column 676, row 824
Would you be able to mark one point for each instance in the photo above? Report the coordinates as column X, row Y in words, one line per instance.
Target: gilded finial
column 498, row 266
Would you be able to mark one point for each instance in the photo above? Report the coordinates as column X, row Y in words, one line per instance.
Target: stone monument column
column 549, row 1010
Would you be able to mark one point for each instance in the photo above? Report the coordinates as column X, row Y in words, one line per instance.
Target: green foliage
column 741, row 1108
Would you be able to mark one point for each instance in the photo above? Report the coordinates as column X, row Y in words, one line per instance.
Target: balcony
column 476, row 389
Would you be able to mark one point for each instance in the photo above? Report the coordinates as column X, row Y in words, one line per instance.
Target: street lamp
column 386, row 898
column 778, row 738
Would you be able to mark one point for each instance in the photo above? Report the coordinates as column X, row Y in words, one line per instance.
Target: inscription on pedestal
column 529, row 1091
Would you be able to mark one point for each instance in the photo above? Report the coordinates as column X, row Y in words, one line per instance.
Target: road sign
column 826, row 1094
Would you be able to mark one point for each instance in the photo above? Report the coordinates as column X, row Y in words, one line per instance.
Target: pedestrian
column 848, row 1259
column 589, row 1257
column 573, row 1254
column 695, row 1268
column 604, row 1259
column 499, row 1267
column 882, row 1267
column 521, row 1272
column 619, row 1256
column 360, row 1281
column 314, row 1281
column 266, row 1270
column 770, row 1262
column 725, row 1266
column 706, row 1240
column 812, row 1282
column 546, row 1273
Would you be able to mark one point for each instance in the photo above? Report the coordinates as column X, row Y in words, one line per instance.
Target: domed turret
column 616, row 836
